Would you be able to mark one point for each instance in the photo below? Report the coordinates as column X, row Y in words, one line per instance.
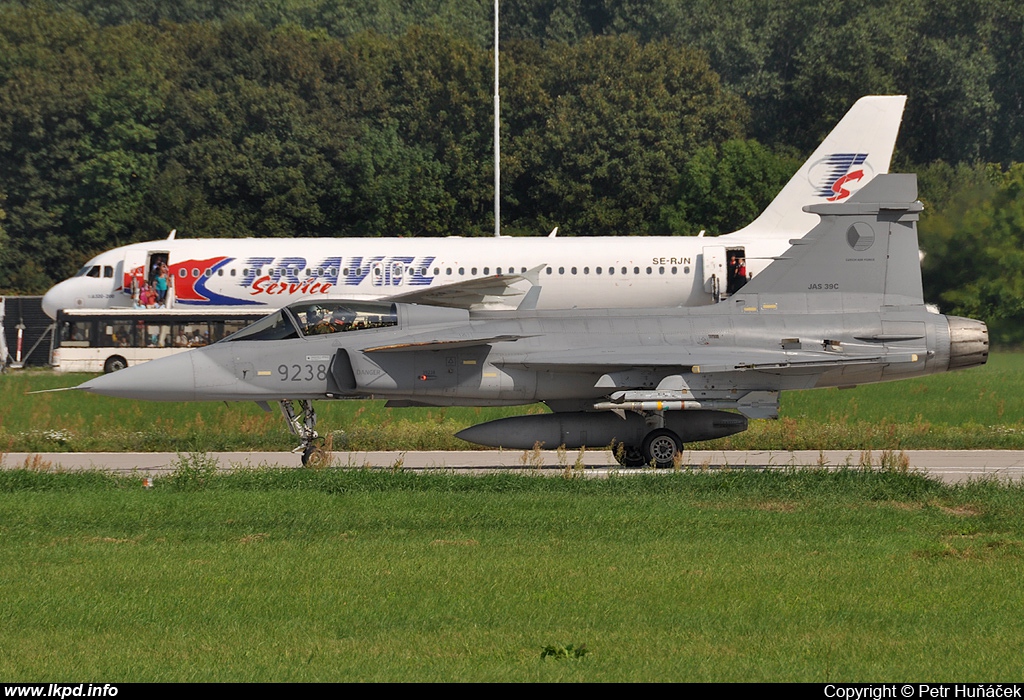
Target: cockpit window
column 322, row 317
column 311, row 318
column 94, row 271
column 276, row 326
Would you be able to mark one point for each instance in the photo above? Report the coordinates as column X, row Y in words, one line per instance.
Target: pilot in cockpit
column 342, row 319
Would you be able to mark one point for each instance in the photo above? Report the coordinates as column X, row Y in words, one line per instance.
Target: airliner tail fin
column 857, row 149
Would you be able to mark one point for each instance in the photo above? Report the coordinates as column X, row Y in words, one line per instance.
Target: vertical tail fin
column 863, row 254
column 857, row 149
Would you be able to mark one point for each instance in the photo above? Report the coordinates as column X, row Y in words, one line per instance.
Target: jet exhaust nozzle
column 968, row 342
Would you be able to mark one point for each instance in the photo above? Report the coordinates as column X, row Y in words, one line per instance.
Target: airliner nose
column 56, row 298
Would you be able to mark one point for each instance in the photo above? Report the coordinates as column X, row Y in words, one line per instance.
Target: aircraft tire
column 314, row 457
column 630, row 456
column 114, row 363
column 661, row 447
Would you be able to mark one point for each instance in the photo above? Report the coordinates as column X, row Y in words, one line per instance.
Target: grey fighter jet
column 843, row 306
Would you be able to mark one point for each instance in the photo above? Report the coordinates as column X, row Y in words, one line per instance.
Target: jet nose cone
column 167, row 379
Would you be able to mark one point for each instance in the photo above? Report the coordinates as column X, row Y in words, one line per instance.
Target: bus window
column 216, row 330
column 191, row 335
column 115, row 336
column 76, row 334
column 95, row 341
column 230, row 327
column 158, row 335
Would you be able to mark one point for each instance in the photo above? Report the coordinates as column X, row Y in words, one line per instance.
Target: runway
column 950, row 466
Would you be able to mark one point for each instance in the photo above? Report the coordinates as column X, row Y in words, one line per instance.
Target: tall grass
column 978, row 408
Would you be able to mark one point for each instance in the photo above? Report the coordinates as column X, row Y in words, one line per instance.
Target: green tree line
column 110, row 134
column 120, row 120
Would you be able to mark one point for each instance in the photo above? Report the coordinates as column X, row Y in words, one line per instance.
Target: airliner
column 496, row 273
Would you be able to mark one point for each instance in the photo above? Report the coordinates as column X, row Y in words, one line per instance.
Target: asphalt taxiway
column 950, row 466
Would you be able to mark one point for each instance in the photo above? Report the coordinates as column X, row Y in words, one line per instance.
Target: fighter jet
column 842, row 306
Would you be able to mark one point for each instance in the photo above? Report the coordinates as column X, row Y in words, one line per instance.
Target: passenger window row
column 450, row 272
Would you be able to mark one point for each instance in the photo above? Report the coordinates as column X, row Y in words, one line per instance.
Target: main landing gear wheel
column 661, row 447
column 629, row 456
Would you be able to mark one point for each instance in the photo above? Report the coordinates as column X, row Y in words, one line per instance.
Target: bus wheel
column 114, row 363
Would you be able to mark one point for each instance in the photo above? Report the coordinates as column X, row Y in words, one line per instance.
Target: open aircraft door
column 137, row 265
column 133, row 272
column 714, row 271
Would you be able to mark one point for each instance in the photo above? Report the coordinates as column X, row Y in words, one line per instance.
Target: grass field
column 977, row 408
column 331, row 575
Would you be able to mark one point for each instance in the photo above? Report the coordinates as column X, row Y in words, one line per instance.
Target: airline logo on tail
column 835, row 177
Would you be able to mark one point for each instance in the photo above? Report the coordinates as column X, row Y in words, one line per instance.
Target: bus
column 106, row 340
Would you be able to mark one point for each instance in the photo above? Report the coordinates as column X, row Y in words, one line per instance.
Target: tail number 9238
column 302, row 373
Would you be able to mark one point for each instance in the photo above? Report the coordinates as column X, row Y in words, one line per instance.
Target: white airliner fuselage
column 583, row 272
column 572, row 272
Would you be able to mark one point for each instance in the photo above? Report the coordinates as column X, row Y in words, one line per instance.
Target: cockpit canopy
column 320, row 317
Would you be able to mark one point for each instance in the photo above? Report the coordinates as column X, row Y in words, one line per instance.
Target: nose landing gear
column 304, row 428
